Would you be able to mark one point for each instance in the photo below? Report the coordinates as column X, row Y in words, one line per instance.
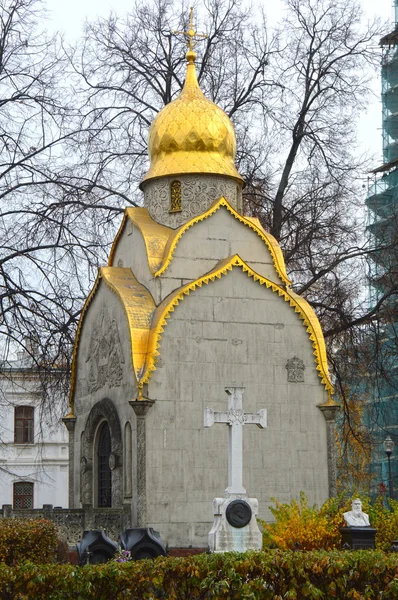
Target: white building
column 33, row 440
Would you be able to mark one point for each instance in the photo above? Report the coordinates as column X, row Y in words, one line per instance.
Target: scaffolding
column 381, row 411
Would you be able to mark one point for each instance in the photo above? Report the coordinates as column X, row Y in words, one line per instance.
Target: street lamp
column 388, row 446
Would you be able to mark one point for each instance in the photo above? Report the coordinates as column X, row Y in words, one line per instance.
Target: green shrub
column 271, row 575
column 27, row 540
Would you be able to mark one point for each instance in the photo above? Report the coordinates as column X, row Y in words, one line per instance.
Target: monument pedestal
column 359, row 538
column 235, row 527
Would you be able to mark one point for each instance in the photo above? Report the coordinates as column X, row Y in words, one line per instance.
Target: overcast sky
column 69, row 17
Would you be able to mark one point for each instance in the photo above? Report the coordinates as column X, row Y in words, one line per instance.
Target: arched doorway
column 104, row 475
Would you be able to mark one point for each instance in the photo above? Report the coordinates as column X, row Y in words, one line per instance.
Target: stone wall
column 71, row 523
column 231, row 332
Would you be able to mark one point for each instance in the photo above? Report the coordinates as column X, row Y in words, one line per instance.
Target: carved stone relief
column 104, row 410
column 105, row 354
column 295, row 370
column 198, row 194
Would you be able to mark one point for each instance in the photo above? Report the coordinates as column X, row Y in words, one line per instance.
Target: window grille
column 24, row 424
column 175, row 197
column 104, row 471
column 23, row 494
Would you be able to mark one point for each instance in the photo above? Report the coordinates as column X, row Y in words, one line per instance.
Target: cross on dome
column 193, row 36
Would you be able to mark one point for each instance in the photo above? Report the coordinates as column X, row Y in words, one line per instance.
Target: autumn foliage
column 271, row 575
column 27, row 540
column 298, row 525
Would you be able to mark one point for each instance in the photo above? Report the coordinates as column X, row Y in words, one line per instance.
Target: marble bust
column 355, row 517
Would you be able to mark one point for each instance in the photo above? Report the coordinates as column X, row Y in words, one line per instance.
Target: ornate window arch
column 175, row 196
column 103, row 411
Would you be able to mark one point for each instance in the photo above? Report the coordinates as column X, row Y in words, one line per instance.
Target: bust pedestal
column 235, row 527
column 359, row 538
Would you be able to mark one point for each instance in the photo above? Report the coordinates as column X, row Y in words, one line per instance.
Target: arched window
column 104, row 471
column 24, row 424
column 175, row 197
column 23, row 494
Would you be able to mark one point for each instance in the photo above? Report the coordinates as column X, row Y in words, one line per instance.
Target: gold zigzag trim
column 268, row 239
column 301, row 307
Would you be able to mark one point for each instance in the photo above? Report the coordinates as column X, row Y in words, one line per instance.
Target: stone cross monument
column 235, row 525
column 235, row 417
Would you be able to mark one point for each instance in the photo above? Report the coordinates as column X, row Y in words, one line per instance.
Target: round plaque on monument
column 238, row 513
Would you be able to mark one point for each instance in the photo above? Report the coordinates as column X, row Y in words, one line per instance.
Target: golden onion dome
column 192, row 135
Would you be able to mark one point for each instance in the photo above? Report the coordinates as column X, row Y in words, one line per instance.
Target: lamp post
column 388, row 446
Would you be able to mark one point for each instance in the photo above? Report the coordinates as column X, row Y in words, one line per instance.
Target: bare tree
column 313, row 203
column 43, row 241
column 294, row 96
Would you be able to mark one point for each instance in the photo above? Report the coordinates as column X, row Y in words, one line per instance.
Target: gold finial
column 191, row 34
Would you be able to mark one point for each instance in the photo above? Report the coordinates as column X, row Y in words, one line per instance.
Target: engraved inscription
column 295, row 370
column 105, row 355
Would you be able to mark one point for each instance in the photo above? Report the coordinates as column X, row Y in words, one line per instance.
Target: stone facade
column 230, row 333
column 104, row 402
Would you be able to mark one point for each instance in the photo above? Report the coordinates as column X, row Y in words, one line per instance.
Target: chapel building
column 195, row 298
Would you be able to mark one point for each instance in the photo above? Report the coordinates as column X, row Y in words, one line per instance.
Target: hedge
column 33, row 540
column 273, row 575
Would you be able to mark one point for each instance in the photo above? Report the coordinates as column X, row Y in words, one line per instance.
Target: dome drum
column 198, row 192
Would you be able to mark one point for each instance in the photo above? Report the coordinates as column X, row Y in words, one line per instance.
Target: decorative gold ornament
column 139, row 307
column 191, row 134
column 251, row 222
column 155, row 236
